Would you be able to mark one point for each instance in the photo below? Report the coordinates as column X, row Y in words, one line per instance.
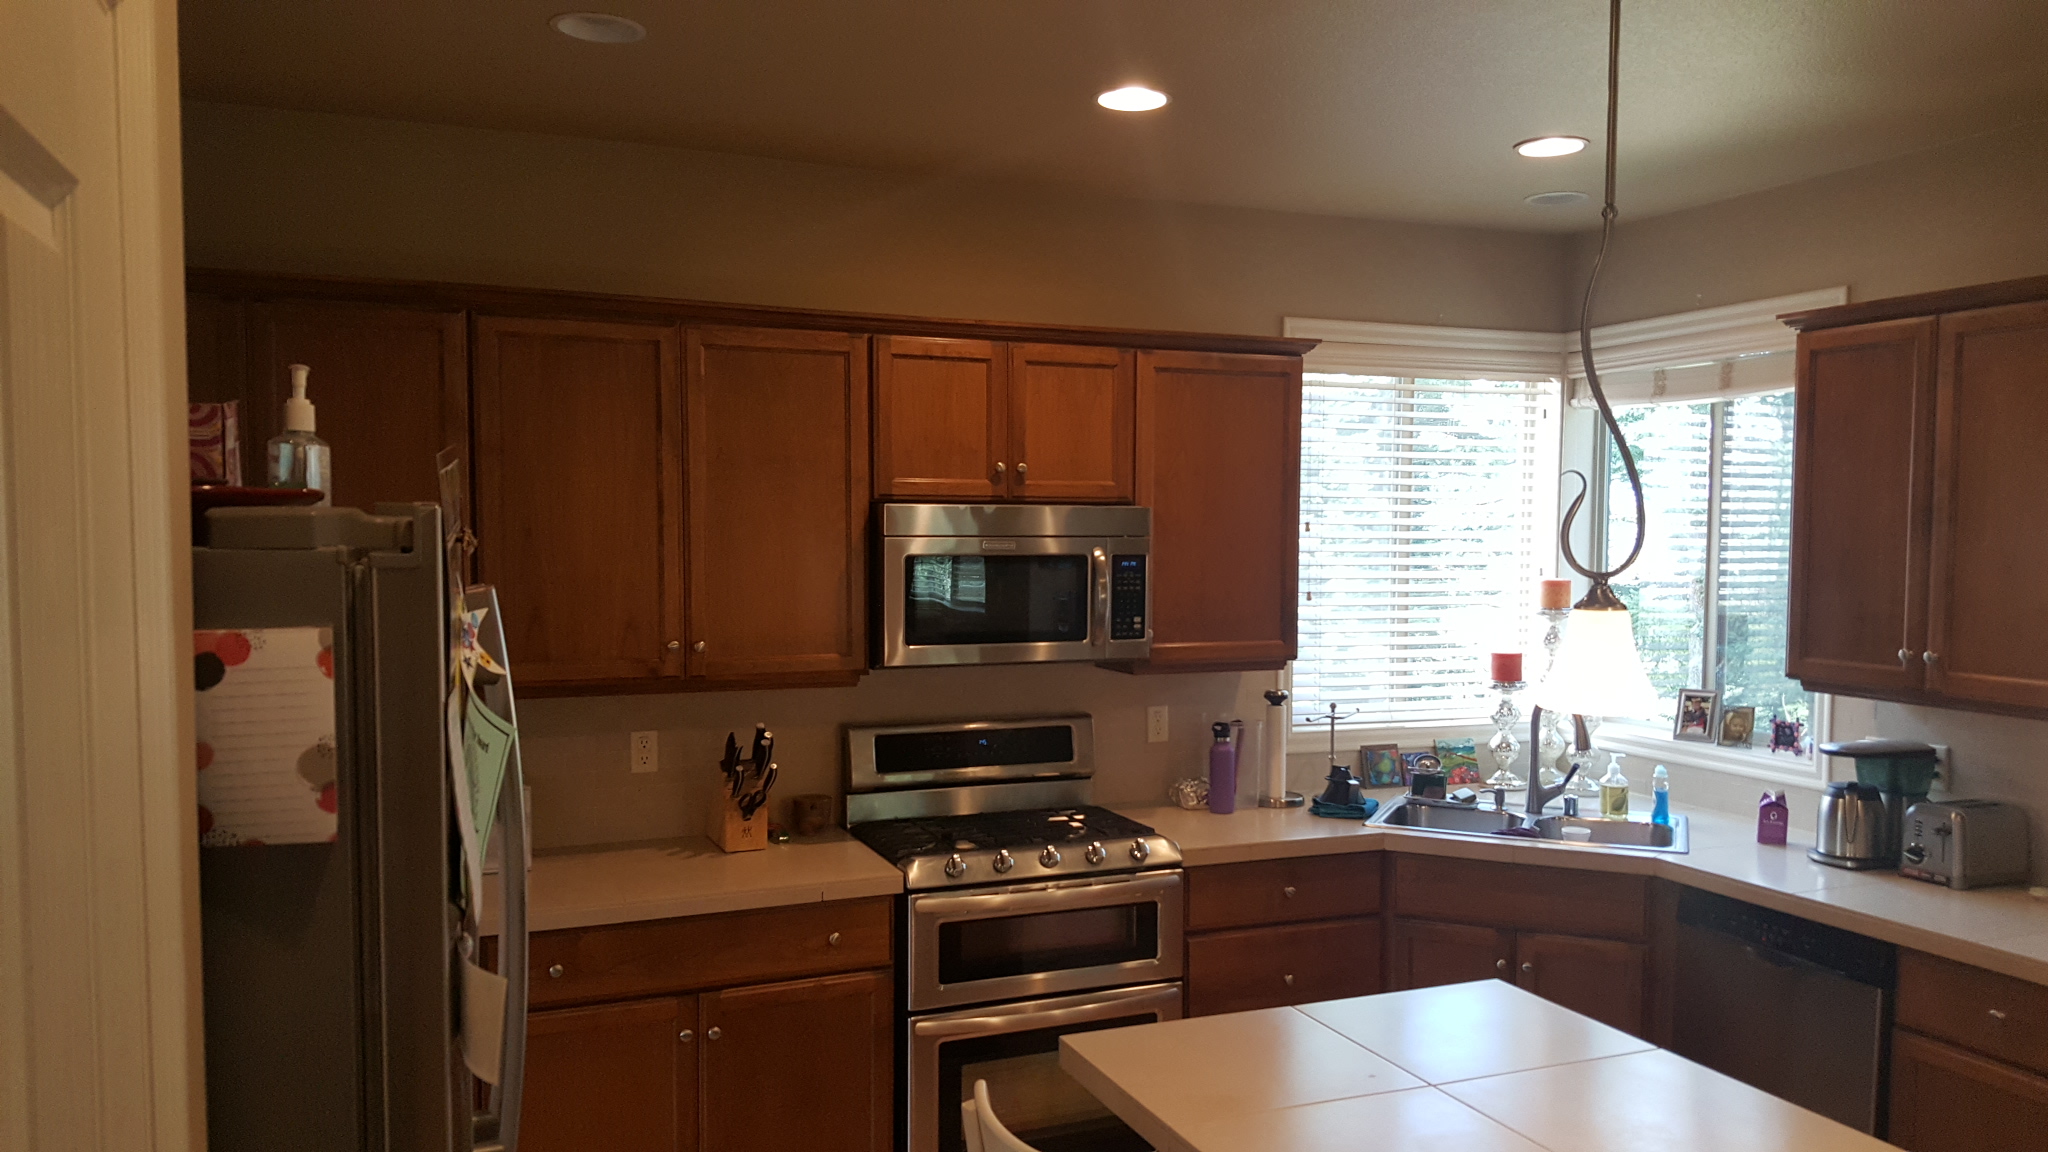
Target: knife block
column 733, row 832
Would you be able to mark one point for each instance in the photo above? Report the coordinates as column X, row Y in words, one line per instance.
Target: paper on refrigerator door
column 487, row 742
column 483, row 1021
column 264, row 717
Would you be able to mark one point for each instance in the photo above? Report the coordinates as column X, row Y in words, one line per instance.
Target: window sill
column 1755, row 763
column 1409, row 737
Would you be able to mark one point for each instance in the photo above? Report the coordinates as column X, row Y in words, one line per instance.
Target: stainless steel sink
column 1444, row 819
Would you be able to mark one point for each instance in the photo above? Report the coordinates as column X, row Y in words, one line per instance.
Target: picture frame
column 1382, row 766
column 1696, row 715
column 1737, row 727
column 1460, row 759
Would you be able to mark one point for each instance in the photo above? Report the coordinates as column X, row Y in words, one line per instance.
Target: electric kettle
column 1854, row 830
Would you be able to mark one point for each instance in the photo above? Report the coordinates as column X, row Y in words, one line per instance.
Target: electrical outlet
column 645, row 751
column 1155, row 724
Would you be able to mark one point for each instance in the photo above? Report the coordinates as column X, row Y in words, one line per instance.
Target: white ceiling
column 1396, row 109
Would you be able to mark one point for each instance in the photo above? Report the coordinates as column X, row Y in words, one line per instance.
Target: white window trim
column 1431, row 351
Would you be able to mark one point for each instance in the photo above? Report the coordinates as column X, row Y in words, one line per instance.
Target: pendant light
column 1598, row 671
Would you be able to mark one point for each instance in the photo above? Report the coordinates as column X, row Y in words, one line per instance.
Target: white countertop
column 2004, row 929
column 1482, row 1067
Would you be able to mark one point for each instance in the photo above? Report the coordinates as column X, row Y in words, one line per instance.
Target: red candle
column 1556, row 594
column 1507, row 667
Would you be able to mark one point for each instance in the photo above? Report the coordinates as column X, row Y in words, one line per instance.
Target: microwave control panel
column 1127, row 598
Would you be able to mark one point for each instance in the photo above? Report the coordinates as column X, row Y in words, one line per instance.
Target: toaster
column 1964, row 843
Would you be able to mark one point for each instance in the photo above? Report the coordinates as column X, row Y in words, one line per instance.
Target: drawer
column 1996, row 1015
column 1289, row 964
column 660, row 957
column 1283, row 891
column 1497, row 895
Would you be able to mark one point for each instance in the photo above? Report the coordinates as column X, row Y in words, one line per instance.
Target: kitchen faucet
column 1540, row 794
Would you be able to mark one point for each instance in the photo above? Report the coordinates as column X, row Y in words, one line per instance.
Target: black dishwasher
column 1800, row 1010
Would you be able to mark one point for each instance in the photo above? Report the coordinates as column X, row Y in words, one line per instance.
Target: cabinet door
column 1426, row 954
column 390, row 387
column 941, row 422
column 1219, row 464
column 1603, row 979
column 1071, row 414
column 579, row 495
column 1945, row 1099
column 1987, row 632
column 778, row 503
column 614, row 1077
column 807, row 1065
column 1289, row 964
column 1862, row 488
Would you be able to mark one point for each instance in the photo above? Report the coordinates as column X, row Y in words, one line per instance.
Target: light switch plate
column 644, row 753
column 1155, row 724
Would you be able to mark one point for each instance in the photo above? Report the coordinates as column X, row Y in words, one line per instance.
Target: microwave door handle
column 1100, row 563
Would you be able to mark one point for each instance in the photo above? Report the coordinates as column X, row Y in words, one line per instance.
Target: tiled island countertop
column 1482, row 1067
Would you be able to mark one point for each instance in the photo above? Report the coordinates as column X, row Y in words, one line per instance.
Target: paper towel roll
column 1273, row 741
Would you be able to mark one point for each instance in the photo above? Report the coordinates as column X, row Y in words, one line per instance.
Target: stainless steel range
column 1031, row 913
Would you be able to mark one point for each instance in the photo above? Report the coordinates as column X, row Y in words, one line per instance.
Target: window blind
column 1428, row 515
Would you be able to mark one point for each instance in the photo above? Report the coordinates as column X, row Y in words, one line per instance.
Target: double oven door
column 1038, row 961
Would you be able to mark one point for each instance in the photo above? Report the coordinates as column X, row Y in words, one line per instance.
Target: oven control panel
column 968, row 865
column 1127, row 598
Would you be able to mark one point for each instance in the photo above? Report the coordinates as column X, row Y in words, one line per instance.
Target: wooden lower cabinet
column 1426, row 954
column 1249, row 968
column 1948, row 1099
column 808, row 1064
column 1604, row 979
column 617, row 1076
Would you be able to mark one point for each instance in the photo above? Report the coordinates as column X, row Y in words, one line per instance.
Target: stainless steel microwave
column 1012, row 583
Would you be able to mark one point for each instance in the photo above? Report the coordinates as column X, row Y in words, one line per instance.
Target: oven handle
column 1106, row 890
column 1073, row 1010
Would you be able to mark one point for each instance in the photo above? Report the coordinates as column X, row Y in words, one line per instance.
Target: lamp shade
column 1598, row 671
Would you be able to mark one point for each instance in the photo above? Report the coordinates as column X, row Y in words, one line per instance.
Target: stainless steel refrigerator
column 334, row 971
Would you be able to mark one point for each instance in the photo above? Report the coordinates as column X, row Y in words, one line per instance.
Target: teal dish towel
column 1316, row 807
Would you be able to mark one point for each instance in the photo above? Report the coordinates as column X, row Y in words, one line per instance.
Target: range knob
column 1095, row 854
column 1050, row 858
column 955, row 866
column 1140, row 851
column 1004, row 861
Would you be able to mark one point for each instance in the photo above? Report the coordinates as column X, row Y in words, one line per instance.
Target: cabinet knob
column 674, row 645
column 999, row 469
column 555, row 971
column 1288, row 891
column 1929, row 657
column 1528, row 967
column 832, row 940
column 712, row 1033
column 1022, row 468
column 1500, row 965
column 1905, row 655
column 1996, row 1014
column 686, row 1036
column 1289, row 978
column 697, row 647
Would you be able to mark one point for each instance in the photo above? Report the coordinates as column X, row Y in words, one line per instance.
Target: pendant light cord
column 1607, row 214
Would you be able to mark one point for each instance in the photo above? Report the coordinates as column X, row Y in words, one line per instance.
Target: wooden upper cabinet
column 579, row 430
column 1862, row 491
column 941, row 421
column 390, row 387
column 778, row 486
column 613, row 1077
column 1072, row 408
column 808, row 1064
column 1219, row 464
column 1987, row 627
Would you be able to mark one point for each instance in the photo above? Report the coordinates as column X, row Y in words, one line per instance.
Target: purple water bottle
column 1222, row 771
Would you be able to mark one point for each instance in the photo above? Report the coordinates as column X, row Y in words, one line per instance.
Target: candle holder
column 1552, row 746
column 1506, row 714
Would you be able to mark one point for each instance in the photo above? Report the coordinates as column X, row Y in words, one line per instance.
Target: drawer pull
column 687, row 1036
column 697, row 647
column 1529, row 968
column 1500, row 965
column 675, row 645
column 832, row 940
column 1289, row 978
column 555, row 971
column 712, row 1034
column 1288, row 891
column 1997, row 1014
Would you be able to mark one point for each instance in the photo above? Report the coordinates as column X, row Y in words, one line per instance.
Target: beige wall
column 1968, row 213
column 300, row 192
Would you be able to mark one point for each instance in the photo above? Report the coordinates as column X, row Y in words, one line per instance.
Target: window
column 1428, row 515
column 1709, row 594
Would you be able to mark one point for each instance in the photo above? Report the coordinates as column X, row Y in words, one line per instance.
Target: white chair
column 984, row 1132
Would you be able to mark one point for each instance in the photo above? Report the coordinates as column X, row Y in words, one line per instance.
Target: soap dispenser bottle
column 1614, row 790
column 299, row 459
column 1660, row 796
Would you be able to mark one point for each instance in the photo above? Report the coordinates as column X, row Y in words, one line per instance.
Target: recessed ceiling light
column 1132, row 98
column 1554, row 199
column 1552, row 146
column 598, row 27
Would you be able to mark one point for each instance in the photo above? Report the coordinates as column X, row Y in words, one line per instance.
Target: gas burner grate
column 900, row 840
